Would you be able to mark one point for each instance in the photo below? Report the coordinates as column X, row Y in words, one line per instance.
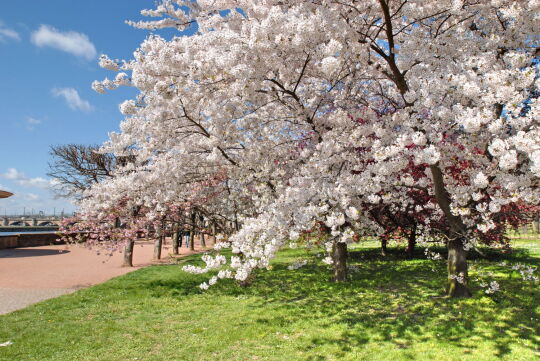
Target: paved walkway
column 12, row 299
column 32, row 274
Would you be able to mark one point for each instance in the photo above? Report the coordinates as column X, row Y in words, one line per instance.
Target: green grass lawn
column 391, row 310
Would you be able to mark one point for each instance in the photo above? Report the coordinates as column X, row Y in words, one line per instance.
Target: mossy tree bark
column 158, row 243
column 411, row 242
column 458, row 273
column 214, row 231
column 458, row 276
column 203, row 240
column 128, row 253
column 181, row 237
column 340, row 255
column 384, row 248
column 536, row 226
column 192, row 240
column 192, row 232
column 175, row 240
column 130, row 245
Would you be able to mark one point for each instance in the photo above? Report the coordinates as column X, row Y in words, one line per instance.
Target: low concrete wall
column 29, row 240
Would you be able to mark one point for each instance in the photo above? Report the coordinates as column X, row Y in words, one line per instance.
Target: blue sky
column 48, row 60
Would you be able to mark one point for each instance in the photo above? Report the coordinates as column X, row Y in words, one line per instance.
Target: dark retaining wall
column 8, row 241
column 28, row 229
column 29, row 240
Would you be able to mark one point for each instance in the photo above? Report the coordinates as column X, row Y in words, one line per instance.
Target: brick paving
column 32, row 274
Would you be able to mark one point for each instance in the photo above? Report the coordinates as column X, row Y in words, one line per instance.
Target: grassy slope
column 390, row 311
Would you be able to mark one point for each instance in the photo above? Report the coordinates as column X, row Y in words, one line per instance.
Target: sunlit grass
column 392, row 309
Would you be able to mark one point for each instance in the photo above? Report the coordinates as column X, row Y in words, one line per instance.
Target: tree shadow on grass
column 400, row 303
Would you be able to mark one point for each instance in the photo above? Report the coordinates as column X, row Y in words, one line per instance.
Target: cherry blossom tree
column 276, row 115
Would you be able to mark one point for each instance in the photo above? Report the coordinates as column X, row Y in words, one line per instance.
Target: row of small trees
column 77, row 167
column 340, row 118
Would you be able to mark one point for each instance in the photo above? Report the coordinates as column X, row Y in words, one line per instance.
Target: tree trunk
column 339, row 251
column 535, row 225
column 457, row 256
column 128, row 254
column 457, row 270
column 157, row 246
column 384, row 243
column 181, row 236
column 192, row 231
column 411, row 242
column 175, row 241
column 192, row 240
column 203, row 241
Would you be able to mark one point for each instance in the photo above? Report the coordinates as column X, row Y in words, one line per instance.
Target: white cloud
column 21, row 179
column 39, row 201
column 39, row 198
column 35, row 182
column 72, row 98
column 12, row 174
column 31, row 120
column 71, row 42
column 31, row 123
column 30, row 196
column 8, row 34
